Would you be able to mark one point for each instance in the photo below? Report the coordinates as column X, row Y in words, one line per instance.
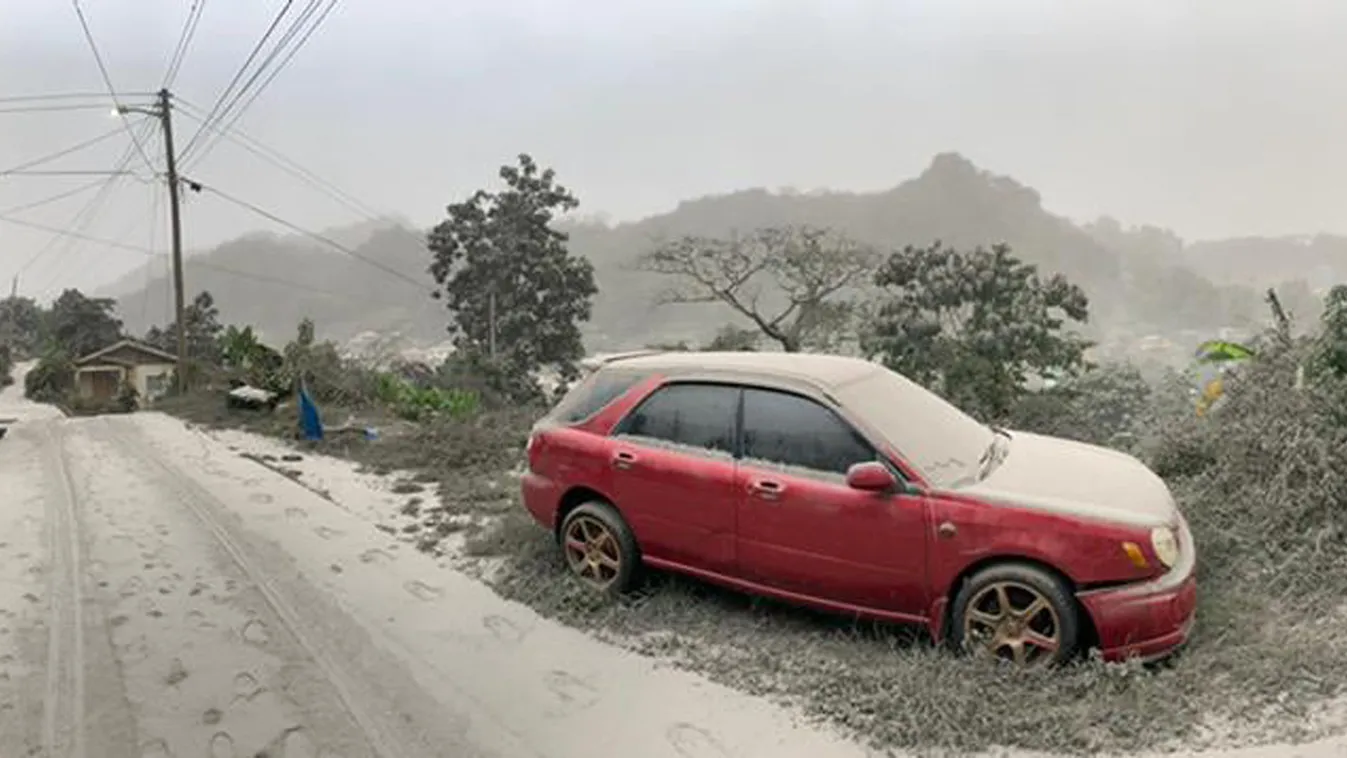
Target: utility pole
column 164, row 112
column 14, row 287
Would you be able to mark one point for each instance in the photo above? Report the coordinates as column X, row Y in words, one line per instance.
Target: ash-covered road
column 162, row 596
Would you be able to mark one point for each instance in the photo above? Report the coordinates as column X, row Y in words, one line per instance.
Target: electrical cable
column 184, row 42
column 225, row 93
column 63, row 152
column 290, row 166
column 85, row 215
column 67, row 96
column 54, row 108
column 53, row 198
column 238, row 114
column 312, row 235
column 107, row 80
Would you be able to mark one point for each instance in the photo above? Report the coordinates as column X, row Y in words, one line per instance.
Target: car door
column 803, row 530
column 673, row 474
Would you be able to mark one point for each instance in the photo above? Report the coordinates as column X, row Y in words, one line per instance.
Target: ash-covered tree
column 1330, row 352
column 204, row 329
column 78, row 325
column 975, row 326
column 794, row 283
column 517, row 294
column 21, row 326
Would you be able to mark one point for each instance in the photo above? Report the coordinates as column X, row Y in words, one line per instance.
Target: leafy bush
column 419, row 403
column 6, row 366
column 496, row 383
column 51, row 380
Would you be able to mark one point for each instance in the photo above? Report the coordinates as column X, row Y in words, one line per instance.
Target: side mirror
column 871, row 476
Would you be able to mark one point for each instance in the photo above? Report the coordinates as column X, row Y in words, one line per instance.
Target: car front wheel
column 600, row 548
column 1016, row 612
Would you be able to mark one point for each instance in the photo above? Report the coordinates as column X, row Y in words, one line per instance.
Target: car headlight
column 1166, row 545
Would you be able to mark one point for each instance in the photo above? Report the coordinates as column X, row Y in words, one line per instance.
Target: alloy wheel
column 1012, row 621
column 592, row 551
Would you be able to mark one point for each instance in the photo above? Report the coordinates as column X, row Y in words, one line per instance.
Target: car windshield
column 945, row 444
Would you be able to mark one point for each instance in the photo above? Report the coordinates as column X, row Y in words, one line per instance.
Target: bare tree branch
column 806, row 266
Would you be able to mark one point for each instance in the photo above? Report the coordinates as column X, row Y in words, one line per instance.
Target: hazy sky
column 1212, row 117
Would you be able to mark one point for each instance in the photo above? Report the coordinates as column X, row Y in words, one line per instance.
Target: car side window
column 690, row 415
column 593, row 394
column 787, row 429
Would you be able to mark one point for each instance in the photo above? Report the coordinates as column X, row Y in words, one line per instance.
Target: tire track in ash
column 384, row 732
column 63, row 718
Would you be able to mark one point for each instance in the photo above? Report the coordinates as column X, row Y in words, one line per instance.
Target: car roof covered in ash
column 829, row 371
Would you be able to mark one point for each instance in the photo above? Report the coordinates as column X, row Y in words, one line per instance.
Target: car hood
column 1076, row 479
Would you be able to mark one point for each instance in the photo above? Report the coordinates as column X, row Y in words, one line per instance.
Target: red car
column 835, row 483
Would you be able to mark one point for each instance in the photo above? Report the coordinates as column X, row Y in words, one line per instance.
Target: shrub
column 6, row 366
column 419, row 403
column 51, row 380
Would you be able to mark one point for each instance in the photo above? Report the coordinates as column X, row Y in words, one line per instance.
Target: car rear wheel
column 1016, row 612
column 600, row 548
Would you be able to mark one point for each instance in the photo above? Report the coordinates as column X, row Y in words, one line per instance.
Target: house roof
column 139, row 347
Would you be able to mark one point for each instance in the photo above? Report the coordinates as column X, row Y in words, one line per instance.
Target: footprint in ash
column 572, row 692
column 375, row 556
column 255, row 633
column 261, row 498
column 503, row 629
column 246, row 687
column 327, row 532
column 132, row 587
column 222, row 746
column 694, row 742
column 422, row 591
column 155, row 749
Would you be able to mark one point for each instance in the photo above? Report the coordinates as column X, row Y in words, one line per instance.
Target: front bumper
column 1149, row 620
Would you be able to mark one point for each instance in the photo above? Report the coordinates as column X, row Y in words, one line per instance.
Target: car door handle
column 624, row 460
column 767, row 489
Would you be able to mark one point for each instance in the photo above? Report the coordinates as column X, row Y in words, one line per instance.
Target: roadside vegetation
column 1260, row 477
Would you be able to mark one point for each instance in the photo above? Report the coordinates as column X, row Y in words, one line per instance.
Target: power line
column 54, row 108
column 107, row 80
column 154, row 250
column 84, row 216
column 288, row 165
column 238, row 114
column 184, row 42
column 67, row 96
column 73, row 235
column 69, row 173
column 270, row 279
column 224, row 94
column 63, row 152
column 312, row 235
column 154, row 254
column 52, row 199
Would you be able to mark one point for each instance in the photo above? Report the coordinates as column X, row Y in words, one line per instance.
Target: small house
column 100, row 374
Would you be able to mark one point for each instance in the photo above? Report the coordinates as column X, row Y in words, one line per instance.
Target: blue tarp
column 309, row 420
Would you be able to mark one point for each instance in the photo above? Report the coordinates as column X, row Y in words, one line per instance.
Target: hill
column 273, row 281
column 1139, row 281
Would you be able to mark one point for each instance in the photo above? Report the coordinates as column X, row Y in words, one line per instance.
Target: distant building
column 101, row 374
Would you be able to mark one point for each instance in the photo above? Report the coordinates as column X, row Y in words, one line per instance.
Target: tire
column 599, row 548
column 979, row 625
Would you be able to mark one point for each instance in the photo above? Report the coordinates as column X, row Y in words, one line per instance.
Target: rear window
column 591, row 395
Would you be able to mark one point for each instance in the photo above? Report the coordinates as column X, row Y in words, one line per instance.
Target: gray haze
column 1212, row 117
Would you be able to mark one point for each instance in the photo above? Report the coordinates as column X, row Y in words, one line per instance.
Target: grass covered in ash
column 1261, row 484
